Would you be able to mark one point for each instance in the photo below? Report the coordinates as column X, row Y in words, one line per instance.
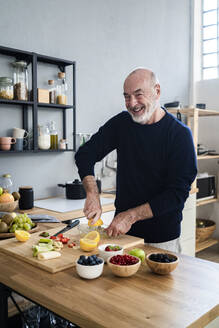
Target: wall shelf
column 206, row 201
column 200, row 246
column 33, row 59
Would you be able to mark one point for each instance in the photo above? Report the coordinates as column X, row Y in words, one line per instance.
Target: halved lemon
column 87, row 244
column 93, row 235
column 96, row 224
column 22, row 235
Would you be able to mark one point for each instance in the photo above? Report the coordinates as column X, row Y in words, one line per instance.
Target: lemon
column 93, row 235
column 22, row 235
column 96, row 224
column 87, row 244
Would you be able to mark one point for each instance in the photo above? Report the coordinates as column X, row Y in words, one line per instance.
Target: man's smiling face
column 140, row 97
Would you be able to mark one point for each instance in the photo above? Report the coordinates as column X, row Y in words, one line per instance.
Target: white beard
column 145, row 117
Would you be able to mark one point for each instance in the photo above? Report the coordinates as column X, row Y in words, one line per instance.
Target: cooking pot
column 74, row 190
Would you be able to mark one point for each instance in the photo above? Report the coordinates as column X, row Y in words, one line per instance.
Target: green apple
column 139, row 253
column 1, row 191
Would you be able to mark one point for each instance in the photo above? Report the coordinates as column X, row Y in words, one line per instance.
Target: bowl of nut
column 124, row 265
column 162, row 263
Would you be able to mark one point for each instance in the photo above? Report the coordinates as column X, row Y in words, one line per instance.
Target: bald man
column 156, row 165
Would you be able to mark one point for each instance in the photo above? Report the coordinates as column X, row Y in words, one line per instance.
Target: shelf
column 35, row 151
column 54, row 106
column 200, row 246
column 53, row 60
column 16, row 102
column 207, row 156
column 205, row 202
column 190, row 111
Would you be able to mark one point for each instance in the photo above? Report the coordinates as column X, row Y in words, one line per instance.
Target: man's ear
column 157, row 90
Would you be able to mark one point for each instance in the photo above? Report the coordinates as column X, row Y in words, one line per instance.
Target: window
column 210, row 39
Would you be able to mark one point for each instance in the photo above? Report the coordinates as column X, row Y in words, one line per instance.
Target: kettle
column 74, row 190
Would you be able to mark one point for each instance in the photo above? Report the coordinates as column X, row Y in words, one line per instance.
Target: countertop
column 188, row 297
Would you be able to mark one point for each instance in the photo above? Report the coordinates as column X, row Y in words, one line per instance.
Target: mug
column 19, row 133
column 6, row 142
column 20, row 144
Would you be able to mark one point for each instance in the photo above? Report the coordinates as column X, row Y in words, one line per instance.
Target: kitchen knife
column 41, row 218
column 68, row 227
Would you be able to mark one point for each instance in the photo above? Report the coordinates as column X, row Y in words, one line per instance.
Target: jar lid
column 61, row 75
column 20, row 63
column 50, row 82
column 26, row 187
column 4, row 79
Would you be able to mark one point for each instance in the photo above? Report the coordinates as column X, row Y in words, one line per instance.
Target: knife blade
column 43, row 218
column 68, row 227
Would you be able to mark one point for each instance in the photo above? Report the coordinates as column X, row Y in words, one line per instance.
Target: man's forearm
column 90, row 185
column 141, row 212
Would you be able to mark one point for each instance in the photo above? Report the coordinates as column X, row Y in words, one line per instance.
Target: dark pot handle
column 61, row 185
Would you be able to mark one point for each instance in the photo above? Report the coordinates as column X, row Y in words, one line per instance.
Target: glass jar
column 6, row 182
column 53, row 135
column 52, row 92
column 43, row 137
column 61, row 89
column 6, row 88
column 20, row 80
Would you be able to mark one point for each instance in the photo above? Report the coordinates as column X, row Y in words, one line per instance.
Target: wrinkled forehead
column 137, row 81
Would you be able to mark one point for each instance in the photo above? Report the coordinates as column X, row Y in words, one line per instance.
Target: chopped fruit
column 22, row 235
column 96, row 224
column 124, row 260
column 71, row 245
column 44, row 234
column 111, row 248
column 87, row 244
column 93, row 236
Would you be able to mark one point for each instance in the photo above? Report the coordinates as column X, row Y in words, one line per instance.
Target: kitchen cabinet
column 34, row 59
column 192, row 117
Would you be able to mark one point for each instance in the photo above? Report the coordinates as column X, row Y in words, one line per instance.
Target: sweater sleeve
column 182, row 170
column 100, row 144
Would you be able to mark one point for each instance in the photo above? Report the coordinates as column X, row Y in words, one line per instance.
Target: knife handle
column 74, row 224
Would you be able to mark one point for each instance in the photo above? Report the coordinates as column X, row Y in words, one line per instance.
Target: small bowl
column 90, row 271
column 124, row 270
column 161, row 267
column 105, row 255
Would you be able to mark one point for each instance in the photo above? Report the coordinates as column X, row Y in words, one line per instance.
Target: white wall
column 108, row 39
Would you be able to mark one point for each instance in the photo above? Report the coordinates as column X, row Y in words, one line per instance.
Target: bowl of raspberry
column 108, row 250
column 162, row 263
column 124, row 265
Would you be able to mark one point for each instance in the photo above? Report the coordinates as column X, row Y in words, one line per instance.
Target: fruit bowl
column 106, row 254
column 124, row 270
column 162, row 267
column 8, row 207
column 89, row 270
column 204, row 229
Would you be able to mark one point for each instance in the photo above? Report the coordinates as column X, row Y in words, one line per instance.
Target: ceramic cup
column 19, row 133
column 6, row 142
column 20, row 144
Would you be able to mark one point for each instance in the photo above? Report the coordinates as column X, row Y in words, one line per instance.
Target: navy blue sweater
column 156, row 163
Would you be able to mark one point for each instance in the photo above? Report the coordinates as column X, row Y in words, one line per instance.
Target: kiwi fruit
column 7, row 218
column 16, row 195
column 3, row 227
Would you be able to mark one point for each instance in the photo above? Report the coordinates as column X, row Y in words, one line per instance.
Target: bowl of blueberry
column 89, row 267
column 162, row 263
column 124, row 265
column 108, row 250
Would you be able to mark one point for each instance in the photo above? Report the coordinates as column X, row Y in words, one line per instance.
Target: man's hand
column 92, row 207
column 121, row 223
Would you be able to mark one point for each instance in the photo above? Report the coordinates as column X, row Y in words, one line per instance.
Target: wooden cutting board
column 23, row 251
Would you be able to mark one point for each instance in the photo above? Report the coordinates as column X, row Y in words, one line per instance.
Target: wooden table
column 189, row 297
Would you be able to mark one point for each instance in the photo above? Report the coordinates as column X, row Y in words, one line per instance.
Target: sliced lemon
column 93, row 235
column 87, row 244
column 96, row 224
column 22, row 235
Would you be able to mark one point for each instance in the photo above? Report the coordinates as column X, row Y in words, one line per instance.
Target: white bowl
column 90, row 271
column 105, row 254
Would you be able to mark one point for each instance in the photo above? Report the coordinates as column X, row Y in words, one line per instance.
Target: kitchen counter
column 188, row 297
